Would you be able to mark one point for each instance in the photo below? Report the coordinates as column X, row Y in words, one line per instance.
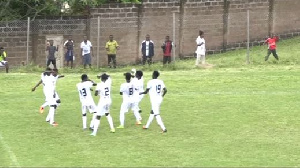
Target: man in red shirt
column 271, row 41
column 167, row 50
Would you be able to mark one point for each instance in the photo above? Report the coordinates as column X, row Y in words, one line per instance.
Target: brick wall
column 223, row 21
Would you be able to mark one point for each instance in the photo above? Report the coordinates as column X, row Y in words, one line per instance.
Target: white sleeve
column 81, row 45
column 90, row 44
column 122, row 88
column 149, row 85
column 98, row 87
column 198, row 41
column 65, row 42
column 163, row 84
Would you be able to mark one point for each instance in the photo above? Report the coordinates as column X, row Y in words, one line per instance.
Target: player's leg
column 136, row 113
column 268, row 54
column 139, row 100
column 93, row 110
column 124, row 109
column 109, row 118
column 96, row 126
column 84, row 118
column 150, row 119
column 156, row 111
column 275, row 54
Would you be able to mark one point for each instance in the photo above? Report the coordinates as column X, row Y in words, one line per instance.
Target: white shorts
column 128, row 105
column 103, row 108
column 91, row 108
column 50, row 98
column 155, row 105
column 2, row 63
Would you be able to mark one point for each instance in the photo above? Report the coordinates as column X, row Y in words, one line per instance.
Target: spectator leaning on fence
column 69, row 46
column 147, row 50
column 167, row 50
column 87, row 51
column 111, row 47
column 3, row 62
column 51, row 56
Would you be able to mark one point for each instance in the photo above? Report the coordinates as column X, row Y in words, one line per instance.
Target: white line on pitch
column 12, row 155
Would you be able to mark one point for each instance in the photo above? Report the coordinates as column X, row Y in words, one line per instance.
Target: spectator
column 51, row 56
column 167, row 50
column 69, row 46
column 147, row 50
column 87, row 51
column 271, row 41
column 3, row 61
column 111, row 47
column 200, row 48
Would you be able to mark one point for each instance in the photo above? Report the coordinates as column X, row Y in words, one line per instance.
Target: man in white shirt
column 103, row 90
column 127, row 90
column 87, row 51
column 200, row 48
column 86, row 99
column 157, row 91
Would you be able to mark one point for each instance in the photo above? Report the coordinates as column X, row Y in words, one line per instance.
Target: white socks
column 149, row 120
column 122, row 118
column 110, row 121
column 137, row 115
column 84, row 121
column 160, row 123
column 96, row 126
column 51, row 115
column 44, row 105
column 93, row 120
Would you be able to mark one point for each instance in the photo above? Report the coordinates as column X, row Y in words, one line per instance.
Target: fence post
column 248, row 36
column 98, row 41
column 174, row 36
column 27, row 41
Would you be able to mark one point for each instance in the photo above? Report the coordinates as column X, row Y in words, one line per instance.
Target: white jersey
column 155, row 87
column 200, row 49
column 84, row 89
column 128, row 91
column 139, row 87
column 104, row 89
column 86, row 47
column 48, row 82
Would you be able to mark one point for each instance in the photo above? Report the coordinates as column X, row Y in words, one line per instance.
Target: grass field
column 233, row 114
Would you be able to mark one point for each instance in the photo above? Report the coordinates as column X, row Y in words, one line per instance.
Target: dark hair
column 127, row 75
column 55, row 69
column 156, row 73
column 201, row 32
column 1, row 48
column 139, row 73
column 104, row 76
column 84, row 77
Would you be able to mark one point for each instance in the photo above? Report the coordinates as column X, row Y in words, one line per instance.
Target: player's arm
column 145, row 92
column 38, row 84
column 165, row 92
column 61, row 76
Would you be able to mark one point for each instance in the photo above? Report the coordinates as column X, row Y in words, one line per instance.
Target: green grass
column 233, row 114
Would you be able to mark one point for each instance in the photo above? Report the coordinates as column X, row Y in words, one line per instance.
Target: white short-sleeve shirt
column 84, row 89
column 155, row 87
column 200, row 49
column 86, row 47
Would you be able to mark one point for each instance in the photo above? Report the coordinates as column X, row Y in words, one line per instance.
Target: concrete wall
column 223, row 21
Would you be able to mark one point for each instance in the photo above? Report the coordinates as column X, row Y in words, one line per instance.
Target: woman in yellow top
column 111, row 47
column 3, row 61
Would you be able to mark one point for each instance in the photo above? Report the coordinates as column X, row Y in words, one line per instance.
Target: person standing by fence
column 3, row 61
column 87, row 51
column 69, row 46
column 200, row 48
column 51, row 56
column 147, row 50
column 111, row 47
column 167, row 50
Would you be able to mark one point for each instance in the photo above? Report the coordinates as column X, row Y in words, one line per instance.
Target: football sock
column 93, row 120
column 44, row 105
column 96, row 126
column 110, row 121
column 160, row 123
column 84, row 121
column 122, row 118
column 51, row 115
column 149, row 120
column 137, row 115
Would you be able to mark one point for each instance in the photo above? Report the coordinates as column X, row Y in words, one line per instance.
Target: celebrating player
column 86, row 99
column 139, row 83
column 157, row 91
column 127, row 90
